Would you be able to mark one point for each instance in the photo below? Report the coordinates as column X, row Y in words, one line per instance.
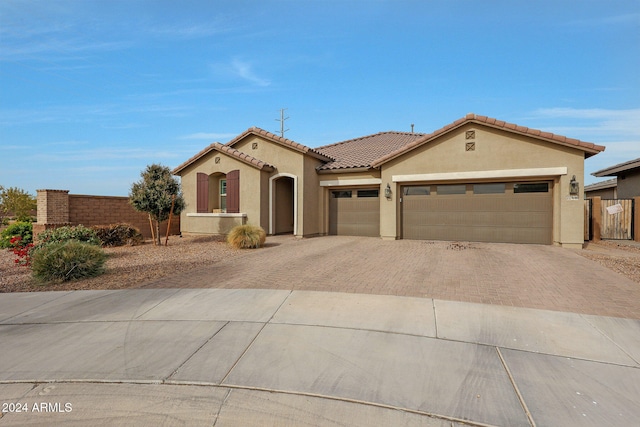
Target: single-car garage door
column 354, row 212
column 512, row 212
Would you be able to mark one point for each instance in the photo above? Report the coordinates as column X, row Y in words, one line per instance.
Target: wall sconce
column 387, row 192
column 574, row 187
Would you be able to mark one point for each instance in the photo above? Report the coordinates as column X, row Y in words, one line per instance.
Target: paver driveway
column 533, row 276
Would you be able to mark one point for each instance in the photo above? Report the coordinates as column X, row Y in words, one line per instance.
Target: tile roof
column 589, row 148
column 361, row 152
column 230, row 151
column 610, row 183
column 620, row 167
column 280, row 140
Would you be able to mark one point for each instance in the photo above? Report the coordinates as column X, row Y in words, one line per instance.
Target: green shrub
column 118, row 235
column 22, row 229
column 246, row 237
column 78, row 233
column 70, row 260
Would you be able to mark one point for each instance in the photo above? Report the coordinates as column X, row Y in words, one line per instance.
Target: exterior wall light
column 574, row 187
column 387, row 192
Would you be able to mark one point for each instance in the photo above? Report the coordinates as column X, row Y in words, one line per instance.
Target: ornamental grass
column 246, row 237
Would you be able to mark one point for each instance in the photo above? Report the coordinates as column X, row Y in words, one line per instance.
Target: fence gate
column 617, row 219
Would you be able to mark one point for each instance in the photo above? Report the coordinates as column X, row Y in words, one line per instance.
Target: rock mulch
column 127, row 266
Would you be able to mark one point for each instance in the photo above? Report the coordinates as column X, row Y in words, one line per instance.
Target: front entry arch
column 283, row 204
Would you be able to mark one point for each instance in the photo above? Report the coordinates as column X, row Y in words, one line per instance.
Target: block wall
column 58, row 208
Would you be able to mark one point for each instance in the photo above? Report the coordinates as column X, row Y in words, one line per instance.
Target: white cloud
column 194, row 31
column 598, row 121
column 208, row 136
column 245, row 70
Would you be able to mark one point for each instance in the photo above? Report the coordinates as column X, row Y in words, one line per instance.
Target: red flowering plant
column 21, row 251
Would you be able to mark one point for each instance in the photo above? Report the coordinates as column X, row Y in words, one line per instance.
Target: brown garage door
column 514, row 212
column 354, row 212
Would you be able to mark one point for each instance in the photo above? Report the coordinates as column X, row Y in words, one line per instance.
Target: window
column 452, row 189
column 418, row 190
column 223, row 195
column 534, row 187
column 368, row 193
column 494, row 188
column 341, row 194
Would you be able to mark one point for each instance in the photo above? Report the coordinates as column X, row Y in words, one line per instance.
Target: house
column 604, row 189
column 476, row 179
column 627, row 178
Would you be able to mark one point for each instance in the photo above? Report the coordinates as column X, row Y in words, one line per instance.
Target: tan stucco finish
column 488, row 154
column 493, row 150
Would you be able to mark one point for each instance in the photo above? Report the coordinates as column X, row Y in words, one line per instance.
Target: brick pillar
column 596, row 217
column 53, row 210
column 636, row 219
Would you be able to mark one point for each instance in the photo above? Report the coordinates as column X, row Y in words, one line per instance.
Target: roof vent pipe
column 412, row 127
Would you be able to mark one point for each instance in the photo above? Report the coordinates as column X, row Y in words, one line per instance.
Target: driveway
column 424, row 354
column 532, row 276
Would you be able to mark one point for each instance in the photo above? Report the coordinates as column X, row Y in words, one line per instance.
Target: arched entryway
column 283, row 202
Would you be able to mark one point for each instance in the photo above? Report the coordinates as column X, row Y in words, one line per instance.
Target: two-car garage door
column 512, row 212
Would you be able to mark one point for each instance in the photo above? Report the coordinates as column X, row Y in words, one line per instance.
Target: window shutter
column 233, row 191
column 203, row 192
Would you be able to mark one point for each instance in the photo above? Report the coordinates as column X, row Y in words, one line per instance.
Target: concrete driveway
column 289, row 354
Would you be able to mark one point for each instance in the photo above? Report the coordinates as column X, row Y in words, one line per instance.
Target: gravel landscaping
column 132, row 266
column 127, row 266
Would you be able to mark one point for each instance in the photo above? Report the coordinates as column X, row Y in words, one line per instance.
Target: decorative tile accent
column 254, row 146
column 217, row 159
column 470, row 134
column 470, row 146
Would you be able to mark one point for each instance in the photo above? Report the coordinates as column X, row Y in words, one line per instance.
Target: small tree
column 14, row 200
column 155, row 194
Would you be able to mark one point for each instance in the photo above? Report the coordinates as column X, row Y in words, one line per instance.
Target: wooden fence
column 615, row 219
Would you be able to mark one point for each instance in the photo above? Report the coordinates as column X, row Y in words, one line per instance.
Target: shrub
column 246, row 237
column 118, row 235
column 63, row 261
column 24, row 230
column 78, row 233
column 22, row 251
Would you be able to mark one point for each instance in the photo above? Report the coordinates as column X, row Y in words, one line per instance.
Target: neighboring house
column 628, row 178
column 476, row 179
column 604, row 189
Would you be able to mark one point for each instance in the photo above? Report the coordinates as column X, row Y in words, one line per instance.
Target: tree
column 155, row 194
column 17, row 202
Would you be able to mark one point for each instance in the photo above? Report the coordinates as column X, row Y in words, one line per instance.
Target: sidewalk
column 247, row 357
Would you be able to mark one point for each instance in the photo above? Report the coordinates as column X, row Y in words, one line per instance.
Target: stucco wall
column 629, row 186
column 494, row 150
column 250, row 193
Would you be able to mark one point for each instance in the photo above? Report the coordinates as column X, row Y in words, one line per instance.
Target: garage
column 508, row 212
column 354, row 212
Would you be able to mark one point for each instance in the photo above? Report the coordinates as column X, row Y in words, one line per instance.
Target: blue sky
column 93, row 91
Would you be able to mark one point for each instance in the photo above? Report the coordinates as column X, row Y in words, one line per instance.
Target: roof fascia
column 220, row 148
column 622, row 167
column 284, row 142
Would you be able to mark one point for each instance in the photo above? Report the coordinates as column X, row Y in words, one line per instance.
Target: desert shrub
column 70, row 260
column 118, row 235
column 78, row 233
column 24, row 230
column 246, row 237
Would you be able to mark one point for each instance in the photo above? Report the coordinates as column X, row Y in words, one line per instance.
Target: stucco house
column 476, row 179
column 627, row 178
column 604, row 189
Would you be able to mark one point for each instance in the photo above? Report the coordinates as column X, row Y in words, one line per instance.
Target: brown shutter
column 203, row 192
column 233, row 191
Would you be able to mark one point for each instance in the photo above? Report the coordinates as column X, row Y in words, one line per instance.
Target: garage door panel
column 504, row 217
column 354, row 216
